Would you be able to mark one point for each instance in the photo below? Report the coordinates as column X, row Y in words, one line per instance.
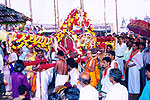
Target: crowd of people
column 119, row 72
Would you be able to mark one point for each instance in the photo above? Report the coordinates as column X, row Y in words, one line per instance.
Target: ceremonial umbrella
column 140, row 27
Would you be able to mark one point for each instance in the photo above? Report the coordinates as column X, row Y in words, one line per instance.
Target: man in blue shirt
column 146, row 91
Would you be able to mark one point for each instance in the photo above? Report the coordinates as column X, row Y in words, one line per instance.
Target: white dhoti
column 46, row 77
column 61, row 79
column 120, row 62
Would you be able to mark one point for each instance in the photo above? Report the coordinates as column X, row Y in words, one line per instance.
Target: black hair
column 109, row 45
column 54, row 96
column 112, row 53
column 108, row 59
column 120, row 37
column 116, row 74
column 141, row 43
column 22, row 89
column 137, row 44
column 19, row 66
column 72, row 93
column 60, row 53
column 147, row 67
column 71, row 62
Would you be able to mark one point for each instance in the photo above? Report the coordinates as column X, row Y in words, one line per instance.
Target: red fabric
column 82, row 60
column 45, row 66
column 105, row 72
column 34, row 62
column 102, row 45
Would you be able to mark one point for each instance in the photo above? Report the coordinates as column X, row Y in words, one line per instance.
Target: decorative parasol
column 140, row 27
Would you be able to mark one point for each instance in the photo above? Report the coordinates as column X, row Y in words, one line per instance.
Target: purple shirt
column 19, row 79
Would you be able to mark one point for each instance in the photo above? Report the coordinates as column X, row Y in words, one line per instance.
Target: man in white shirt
column 117, row 91
column 73, row 71
column 119, row 50
column 87, row 92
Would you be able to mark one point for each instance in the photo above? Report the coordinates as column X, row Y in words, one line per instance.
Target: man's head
column 54, row 96
column 143, row 40
column 120, row 39
column 129, row 44
column 142, row 46
column 109, row 48
column 89, row 54
column 147, row 68
column 115, row 75
column 40, row 53
column 84, row 78
column 102, row 47
column 135, row 46
column 60, row 53
column 111, row 54
column 106, row 62
column 71, row 63
column 22, row 90
column 19, row 66
column 72, row 93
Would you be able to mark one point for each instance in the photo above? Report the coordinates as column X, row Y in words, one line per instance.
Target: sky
column 43, row 10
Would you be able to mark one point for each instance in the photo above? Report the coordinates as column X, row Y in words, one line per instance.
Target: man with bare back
column 61, row 69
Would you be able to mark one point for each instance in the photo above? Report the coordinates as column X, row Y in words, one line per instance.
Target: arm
column 81, row 65
column 56, row 67
column 115, row 65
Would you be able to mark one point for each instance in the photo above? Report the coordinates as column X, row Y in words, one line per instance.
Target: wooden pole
column 30, row 4
column 116, row 16
column 9, row 3
column 82, row 7
column 55, row 15
column 105, row 17
column 5, row 2
column 58, row 14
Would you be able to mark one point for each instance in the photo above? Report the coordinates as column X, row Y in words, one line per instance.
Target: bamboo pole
column 9, row 3
column 55, row 15
column 116, row 16
column 105, row 16
column 58, row 14
column 30, row 4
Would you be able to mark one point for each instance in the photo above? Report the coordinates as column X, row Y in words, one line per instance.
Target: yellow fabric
column 95, row 76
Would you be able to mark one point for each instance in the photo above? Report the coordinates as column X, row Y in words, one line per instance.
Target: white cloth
column 13, row 57
column 1, row 62
column 46, row 77
column 88, row 93
column 117, row 92
column 106, row 84
column 113, row 64
column 120, row 50
column 74, row 75
column 134, row 74
column 61, row 79
column 7, row 77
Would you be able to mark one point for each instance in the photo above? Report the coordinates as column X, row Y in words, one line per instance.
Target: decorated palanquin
column 67, row 36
